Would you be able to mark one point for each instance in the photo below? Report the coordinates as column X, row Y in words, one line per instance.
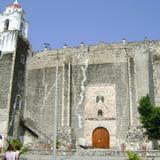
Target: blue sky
column 91, row 21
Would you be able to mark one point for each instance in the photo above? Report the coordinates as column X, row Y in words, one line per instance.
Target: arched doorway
column 100, row 138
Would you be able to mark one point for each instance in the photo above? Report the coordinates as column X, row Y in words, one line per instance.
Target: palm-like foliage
column 18, row 145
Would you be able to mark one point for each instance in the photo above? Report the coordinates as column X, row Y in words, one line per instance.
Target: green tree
column 145, row 106
column 150, row 118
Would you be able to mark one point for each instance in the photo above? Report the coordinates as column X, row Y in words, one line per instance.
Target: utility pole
column 55, row 112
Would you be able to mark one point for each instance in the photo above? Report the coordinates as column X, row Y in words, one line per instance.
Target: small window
column 21, row 28
column 97, row 99
column 102, row 98
column 6, row 25
column 100, row 113
column 20, row 75
column 18, row 101
column 22, row 59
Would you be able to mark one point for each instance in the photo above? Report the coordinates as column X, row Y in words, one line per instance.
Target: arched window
column 102, row 98
column 99, row 98
column 6, row 25
column 100, row 113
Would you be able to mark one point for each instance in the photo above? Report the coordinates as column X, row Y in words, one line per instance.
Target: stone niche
column 100, row 111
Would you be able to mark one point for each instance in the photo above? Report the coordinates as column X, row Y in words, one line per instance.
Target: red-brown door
column 100, row 138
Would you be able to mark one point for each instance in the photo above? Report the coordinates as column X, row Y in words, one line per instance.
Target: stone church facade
column 88, row 94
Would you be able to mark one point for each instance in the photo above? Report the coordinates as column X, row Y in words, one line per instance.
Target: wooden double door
column 100, row 138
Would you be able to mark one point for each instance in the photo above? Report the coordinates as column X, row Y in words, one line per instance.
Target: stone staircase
column 38, row 133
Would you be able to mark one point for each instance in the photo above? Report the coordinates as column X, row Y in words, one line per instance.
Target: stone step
column 90, row 154
column 50, row 157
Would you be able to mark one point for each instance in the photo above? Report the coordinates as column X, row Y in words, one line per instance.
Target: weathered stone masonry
column 128, row 67
column 12, row 84
column 97, row 89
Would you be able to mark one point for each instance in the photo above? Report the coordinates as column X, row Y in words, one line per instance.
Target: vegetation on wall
column 150, row 118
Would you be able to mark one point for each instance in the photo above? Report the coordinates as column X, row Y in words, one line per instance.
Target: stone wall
column 129, row 67
column 12, row 88
column 78, row 68
column 6, row 64
column 18, row 86
column 156, row 73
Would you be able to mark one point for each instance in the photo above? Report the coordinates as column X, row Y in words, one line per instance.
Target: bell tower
column 12, row 19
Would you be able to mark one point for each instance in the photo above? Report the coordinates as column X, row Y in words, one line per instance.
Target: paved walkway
column 47, row 157
column 50, row 157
